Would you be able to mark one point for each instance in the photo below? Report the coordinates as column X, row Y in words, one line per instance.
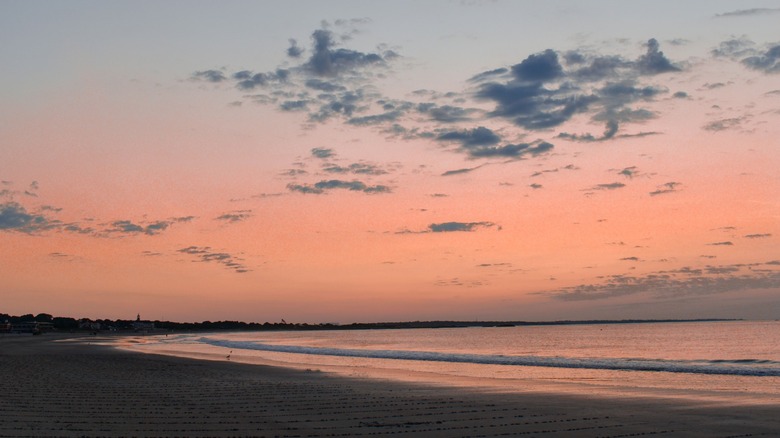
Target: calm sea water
column 735, row 361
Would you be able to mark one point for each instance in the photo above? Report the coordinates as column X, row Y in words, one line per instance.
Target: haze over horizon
column 374, row 161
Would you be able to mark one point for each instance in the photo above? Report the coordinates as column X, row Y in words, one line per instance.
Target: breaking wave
column 740, row 367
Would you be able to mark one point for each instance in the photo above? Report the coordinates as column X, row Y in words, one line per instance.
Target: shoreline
column 80, row 388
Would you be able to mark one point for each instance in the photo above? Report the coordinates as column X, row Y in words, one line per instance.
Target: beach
column 54, row 386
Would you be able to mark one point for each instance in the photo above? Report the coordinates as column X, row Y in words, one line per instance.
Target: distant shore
column 66, row 385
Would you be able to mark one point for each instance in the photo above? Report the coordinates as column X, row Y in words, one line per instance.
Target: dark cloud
column 482, row 142
column 535, row 186
column 294, row 51
column 376, row 119
column 235, row 216
column 460, row 171
column 609, row 132
column 629, row 172
column 206, row 255
column 675, row 284
column 447, row 113
column 757, row 236
column 539, row 67
column 767, row 62
column 654, row 62
column 724, row 124
column 294, row 105
column 726, row 243
column 669, row 187
column 355, row 168
column 128, row 227
column 326, row 185
column 680, row 95
column 447, row 227
column 749, row 12
column 600, row 68
column 329, row 61
column 14, row 217
column 735, row 48
column 608, row 186
column 511, row 150
column 532, row 106
column 209, row 75
column 479, row 136
column 604, row 85
column 323, row 153
column 491, row 74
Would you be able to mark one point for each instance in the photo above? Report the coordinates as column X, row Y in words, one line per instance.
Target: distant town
column 44, row 322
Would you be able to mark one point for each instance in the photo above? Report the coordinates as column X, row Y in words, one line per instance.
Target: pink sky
column 378, row 177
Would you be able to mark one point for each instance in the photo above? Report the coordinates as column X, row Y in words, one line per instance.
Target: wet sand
column 74, row 389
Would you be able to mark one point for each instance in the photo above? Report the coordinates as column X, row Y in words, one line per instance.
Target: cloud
column 629, row 172
column 326, row 185
column 749, row 12
column 323, row 153
column 482, row 142
column 724, row 124
column 206, row 255
column 235, row 216
column 14, row 217
column 461, row 171
column 609, row 132
column 209, row 75
column 476, row 137
column 453, row 227
column 294, row 51
column 608, row 186
column 541, row 93
column 654, row 62
column 757, row 236
column 149, row 228
column 767, row 62
column 539, row 67
column 669, row 187
column 355, row 168
column 726, row 243
column 448, row 227
column 673, row 284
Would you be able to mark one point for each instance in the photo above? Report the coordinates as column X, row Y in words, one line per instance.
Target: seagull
column 228, row 356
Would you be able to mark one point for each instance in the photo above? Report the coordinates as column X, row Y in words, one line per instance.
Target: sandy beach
column 74, row 389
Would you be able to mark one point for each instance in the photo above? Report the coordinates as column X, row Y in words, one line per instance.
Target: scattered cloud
column 767, row 62
column 235, row 216
column 333, row 184
column 461, row 171
column 757, row 236
column 14, row 217
column 323, row 153
column 724, row 243
column 672, row 284
column 669, row 187
column 206, row 255
column 446, row 227
column 452, row 227
column 608, row 186
column 749, row 12
column 355, row 168
column 724, row 124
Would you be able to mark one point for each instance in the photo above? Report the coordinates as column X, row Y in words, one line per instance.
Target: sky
column 369, row 161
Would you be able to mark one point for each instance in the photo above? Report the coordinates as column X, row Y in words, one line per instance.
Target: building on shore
column 142, row 326
column 34, row 327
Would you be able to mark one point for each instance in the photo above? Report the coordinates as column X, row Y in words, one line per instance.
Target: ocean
column 730, row 361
